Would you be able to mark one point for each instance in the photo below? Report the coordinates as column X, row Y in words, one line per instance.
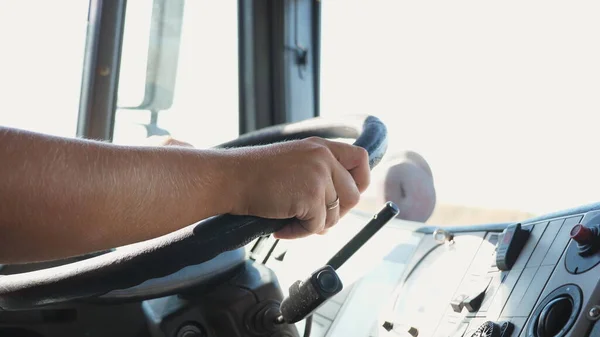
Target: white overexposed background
column 501, row 98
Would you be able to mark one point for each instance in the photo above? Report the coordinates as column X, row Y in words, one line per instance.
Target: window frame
column 275, row 84
column 101, row 68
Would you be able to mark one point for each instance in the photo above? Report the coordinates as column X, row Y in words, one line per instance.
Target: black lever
column 389, row 211
column 307, row 296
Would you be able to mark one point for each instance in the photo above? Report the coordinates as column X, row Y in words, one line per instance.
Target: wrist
column 230, row 182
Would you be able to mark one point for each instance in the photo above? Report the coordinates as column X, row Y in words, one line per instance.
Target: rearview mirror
column 163, row 34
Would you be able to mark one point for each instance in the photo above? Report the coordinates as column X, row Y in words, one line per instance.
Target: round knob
column 581, row 234
column 554, row 316
column 328, row 281
column 190, row 330
column 487, row 329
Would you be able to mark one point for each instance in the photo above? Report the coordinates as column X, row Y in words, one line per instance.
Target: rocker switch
column 511, row 243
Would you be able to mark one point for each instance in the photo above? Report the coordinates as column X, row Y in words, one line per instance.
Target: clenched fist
column 314, row 180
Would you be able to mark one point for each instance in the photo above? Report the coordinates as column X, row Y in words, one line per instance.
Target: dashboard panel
column 457, row 288
column 511, row 295
column 538, row 278
column 455, row 294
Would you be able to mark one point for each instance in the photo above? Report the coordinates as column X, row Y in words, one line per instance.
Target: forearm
column 63, row 197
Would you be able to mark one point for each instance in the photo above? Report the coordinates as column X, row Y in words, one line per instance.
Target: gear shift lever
column 307, row 296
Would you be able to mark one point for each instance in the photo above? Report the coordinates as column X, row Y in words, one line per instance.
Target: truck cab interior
column 498, row 97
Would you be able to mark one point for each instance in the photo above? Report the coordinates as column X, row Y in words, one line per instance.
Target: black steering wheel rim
column 133, row 264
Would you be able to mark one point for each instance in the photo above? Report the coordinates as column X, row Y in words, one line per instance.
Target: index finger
column 355, row 159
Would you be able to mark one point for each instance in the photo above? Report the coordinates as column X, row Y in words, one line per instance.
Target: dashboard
column 538, row 278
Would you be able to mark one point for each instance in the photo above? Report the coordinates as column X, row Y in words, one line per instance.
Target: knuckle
column 322, row 151
column 362, row 154
column 314, row 139
column 316, row 148
column 324, row 171
column 352, row 198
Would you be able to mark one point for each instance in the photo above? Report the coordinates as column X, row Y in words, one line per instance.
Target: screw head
column 442, row 236
column 103, row 71
column 594, row 313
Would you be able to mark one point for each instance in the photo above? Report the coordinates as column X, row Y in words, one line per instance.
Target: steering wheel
column 131, row 265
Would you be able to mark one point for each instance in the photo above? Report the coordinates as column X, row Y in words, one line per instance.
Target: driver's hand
column 299, row 179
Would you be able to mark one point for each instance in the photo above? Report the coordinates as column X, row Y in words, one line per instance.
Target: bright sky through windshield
column 42, row 44
column 500, row 97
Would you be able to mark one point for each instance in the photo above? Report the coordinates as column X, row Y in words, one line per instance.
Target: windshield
column 499, row 98
column 188, row 51
column 41, row 64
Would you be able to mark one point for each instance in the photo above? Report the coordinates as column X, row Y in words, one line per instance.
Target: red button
column 581, row 234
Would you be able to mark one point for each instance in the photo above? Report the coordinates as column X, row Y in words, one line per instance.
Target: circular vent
column 487, row 329
column 556, row 313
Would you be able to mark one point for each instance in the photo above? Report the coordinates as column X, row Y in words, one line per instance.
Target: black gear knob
column 307, row 296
